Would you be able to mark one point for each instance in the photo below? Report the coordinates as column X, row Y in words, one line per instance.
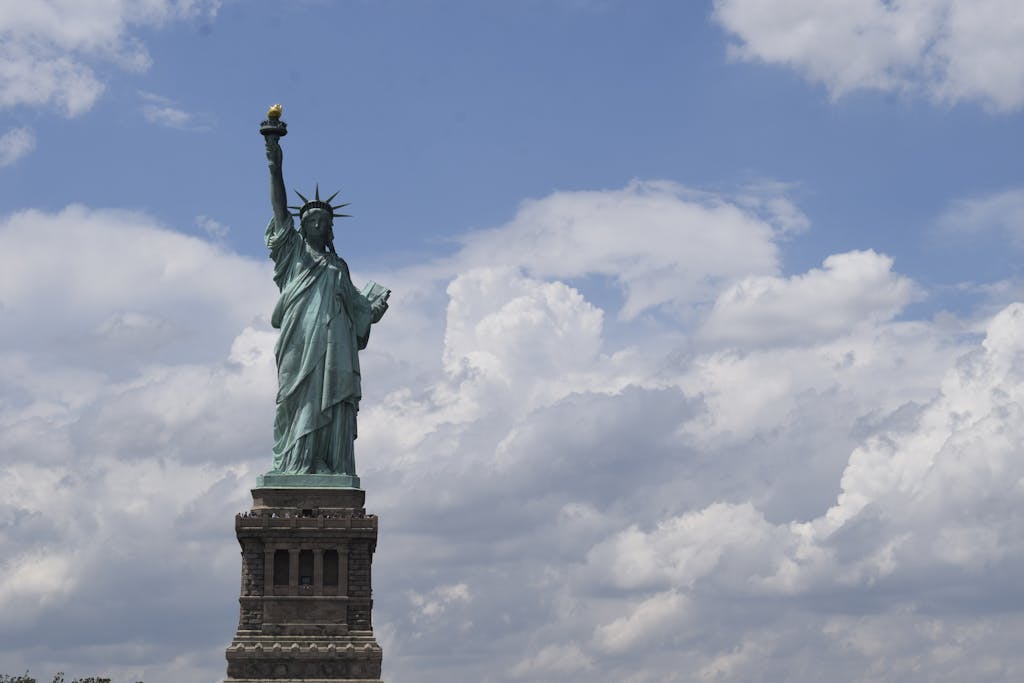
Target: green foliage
column 17, row 679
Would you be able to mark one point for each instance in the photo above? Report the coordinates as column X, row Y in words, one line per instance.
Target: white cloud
column 753, row 392
column 121, row 270
column 662, row 244
column 34, row 77
column 951, row 484
column 49, row 48
column 30, row 580
column 614, row 435
column 646, row 626
column 552, row 661
column 935, row 503
column 1000, row 212
column 214, row 228
column 953, row 50
column 436, row 601
column 565, row 490
column 165, row 115
column 852, row 289
column 731, row 542
column 16, row 143
column 768, row 199
column 503, row 328
column 163, row 111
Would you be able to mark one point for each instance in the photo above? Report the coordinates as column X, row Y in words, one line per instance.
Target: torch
column 274, row 125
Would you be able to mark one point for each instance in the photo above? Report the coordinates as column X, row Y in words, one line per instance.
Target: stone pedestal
column 306, row 596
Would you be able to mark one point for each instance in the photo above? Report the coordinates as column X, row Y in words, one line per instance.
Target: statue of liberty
column 324, row 322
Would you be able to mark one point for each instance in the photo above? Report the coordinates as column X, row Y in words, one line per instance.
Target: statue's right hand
column 274, row 153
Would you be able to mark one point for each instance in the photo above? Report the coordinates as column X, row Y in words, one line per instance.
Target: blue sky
column 760, row 255
column 468, row 108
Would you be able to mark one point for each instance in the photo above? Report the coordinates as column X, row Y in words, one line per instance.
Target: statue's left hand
column 378, row 310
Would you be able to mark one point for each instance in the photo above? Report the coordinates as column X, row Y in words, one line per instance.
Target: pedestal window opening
column 330, row 567
column 306, row 568
column 281, row 566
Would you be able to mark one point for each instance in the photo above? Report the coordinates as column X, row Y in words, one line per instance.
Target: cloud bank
column 698, row 468
column 49, row 49
column 950, row 50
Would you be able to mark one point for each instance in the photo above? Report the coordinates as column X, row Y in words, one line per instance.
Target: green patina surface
column 324, row 322
column 271, row 480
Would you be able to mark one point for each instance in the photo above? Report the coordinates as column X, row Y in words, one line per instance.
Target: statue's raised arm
column 273, row 129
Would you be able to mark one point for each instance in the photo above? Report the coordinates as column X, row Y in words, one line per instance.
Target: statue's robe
column 324, row 322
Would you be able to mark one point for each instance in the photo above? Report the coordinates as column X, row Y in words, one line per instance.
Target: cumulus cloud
column 682, row 550
column 661, row 243
column 951, row 50
column 33, row 77
column 646, row 626
column 960, row 460
column 503, row 326
column 737, row 443
column 133, row 337
column 927, row 518
column 16, row 143
column 565, row 488
column 122, row 278
column 855, row 288
column 50, row 48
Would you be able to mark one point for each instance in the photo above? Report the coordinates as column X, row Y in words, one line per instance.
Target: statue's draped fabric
column 324, row 322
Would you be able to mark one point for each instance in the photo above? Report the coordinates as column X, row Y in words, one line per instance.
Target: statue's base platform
column 306, row 597
column 303, row 502
column 307, row 481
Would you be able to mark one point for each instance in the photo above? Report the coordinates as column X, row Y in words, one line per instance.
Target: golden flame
column 274, row 112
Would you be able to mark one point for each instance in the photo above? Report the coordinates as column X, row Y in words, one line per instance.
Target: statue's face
column 317, row 225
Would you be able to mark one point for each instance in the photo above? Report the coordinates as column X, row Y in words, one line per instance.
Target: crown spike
column 342, row 215
column 317, row 203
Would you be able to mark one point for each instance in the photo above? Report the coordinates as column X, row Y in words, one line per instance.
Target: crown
column 318, row 203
